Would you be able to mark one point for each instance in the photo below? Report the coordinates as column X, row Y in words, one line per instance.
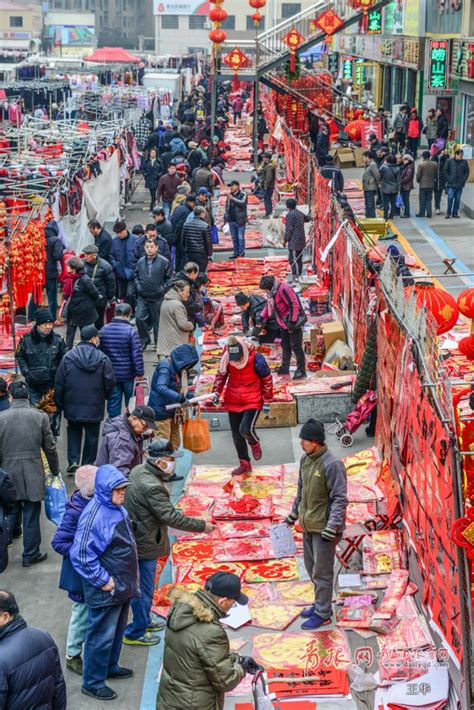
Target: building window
column 289, row 9
column 16, row 21
column 170, row 22
column 229, row 24
column 251, row 25
column 197, row 22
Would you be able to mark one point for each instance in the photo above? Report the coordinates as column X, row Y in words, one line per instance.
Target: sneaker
column 104, row 693
column 455, row 216
column 437, row 211
column 121, row 673
column 447, row 216
column 299, row 375
column 147, row 639
column 244, row 467
column 256, row 451
column 72, row 468
column 233, row 256
column 157, row 624
column 35, row 560
column 74, row 664
column 308, row 612
column 315, row 622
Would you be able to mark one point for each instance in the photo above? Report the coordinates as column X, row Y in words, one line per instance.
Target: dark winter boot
column 299, row 375
column 245, row 467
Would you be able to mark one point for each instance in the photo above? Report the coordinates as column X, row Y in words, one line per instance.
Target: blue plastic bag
column 399, row 201
column 214, row 234
column 55, row 498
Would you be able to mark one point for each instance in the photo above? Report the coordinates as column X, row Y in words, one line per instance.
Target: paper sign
column 237, row 616
column 283, row 542
column 349, row 580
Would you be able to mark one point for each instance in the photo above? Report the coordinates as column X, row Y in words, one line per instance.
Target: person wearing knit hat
column 251, row 307
column 69, row 579
column 320, row 507
column 38, row 355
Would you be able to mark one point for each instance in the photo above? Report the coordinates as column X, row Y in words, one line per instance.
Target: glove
column 290, row 519
column 249, row 665
column 328, row 534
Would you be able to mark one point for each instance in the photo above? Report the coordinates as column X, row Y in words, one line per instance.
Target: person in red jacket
column 248, row 384
column 415, row 127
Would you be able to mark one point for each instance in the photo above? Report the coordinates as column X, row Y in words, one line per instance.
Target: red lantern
column 217, row 36
column 218, row 14
column 466, row 303
column 466, row 347
column 293, row 40
column 354, row 130
column 440, row 304
column 257, row 18
column 364, row 5
column 257, row 4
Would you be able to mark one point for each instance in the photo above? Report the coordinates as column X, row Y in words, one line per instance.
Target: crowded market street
column 236, row 358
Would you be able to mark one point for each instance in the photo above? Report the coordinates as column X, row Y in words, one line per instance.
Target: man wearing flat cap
column 320, row 507
column 102, row 274
column 198, row 666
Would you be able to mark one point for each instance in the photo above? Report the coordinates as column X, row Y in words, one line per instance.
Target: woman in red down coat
column 248, row 384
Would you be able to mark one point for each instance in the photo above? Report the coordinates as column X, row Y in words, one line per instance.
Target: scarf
column 69, row 282
column 225, row 361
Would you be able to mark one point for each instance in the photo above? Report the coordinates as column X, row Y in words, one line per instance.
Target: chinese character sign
column 347, row 65
column 333, row 63
column 374, row 23
column 438, row 64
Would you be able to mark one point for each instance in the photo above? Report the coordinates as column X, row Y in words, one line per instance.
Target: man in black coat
column 322, row 145
column 7, row 498
column 252, row 307
column 84, row 380
column 30, row 669
column 196, row 239
column 54, row 254
column 102, row 239
column 163, row 226
column 151, row 274
column 83, row 300
column 38, row 355
column 332, row 173
column 178, row 220
column 102, row 274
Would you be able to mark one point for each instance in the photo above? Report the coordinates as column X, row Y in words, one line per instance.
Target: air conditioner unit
column 207, row 26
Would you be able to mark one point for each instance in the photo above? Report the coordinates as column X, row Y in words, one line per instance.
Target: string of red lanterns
column 257, row 5
column 217, row 15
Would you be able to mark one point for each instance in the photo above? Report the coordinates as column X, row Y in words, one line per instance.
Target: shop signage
column 374, row 22
column 369, row 127
column 463, row 59
column 401, row 51
column 15, row 35
column 359, row 72
column 438, row 60
column 180, row 7
column 333, row 63
column 347, row 68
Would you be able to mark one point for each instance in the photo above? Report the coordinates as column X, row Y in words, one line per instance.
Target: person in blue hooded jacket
column 167, row 385
column 69, row 579
column 104, row 553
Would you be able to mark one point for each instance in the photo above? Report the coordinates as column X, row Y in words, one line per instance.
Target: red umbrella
column 114, row 55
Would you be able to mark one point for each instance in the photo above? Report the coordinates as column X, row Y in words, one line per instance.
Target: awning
column 113, row 55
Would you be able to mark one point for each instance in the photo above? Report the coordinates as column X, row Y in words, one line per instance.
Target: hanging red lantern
column 236, row 60
column 257, row 4
column 466, row 303
column 329, row 22
column 293, row 40
column 466, row 347
column 354, row 130
column 440, row 304
column 218, row 14
column 257, row 18
column 217, row 36
column 363, row 5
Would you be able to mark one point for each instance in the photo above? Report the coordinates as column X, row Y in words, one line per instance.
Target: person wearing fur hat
column 320, row 507
column 246, row 380
column 69, row 579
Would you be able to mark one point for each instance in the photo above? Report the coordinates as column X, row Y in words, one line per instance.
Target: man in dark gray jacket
column 25, row 432
column 370, row 183
column 151, row 274
column 149, row 506
column 320, row 506
column 426, row 176
column 456, row 172
column 235, row 214
column 196, row 239
column 102, row 274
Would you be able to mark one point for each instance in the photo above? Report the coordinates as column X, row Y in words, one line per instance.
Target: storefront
column 388, row 66
column 463, row 72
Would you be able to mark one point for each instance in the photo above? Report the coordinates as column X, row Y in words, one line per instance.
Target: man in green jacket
column 320, row 506
column 267, row 175
column 150, row 509
column 198, row 667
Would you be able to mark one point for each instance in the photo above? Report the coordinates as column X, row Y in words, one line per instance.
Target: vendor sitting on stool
column 320, row 506
column 252, row 322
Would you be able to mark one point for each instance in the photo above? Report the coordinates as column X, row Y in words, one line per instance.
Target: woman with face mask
column 149, row 506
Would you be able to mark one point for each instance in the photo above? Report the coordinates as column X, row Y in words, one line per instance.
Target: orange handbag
column 196, row 437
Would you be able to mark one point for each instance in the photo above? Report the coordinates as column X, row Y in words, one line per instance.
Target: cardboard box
column 374, row 225
column 358, row 153
column 332, row 331
column 344, row 157
column 281, row 414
